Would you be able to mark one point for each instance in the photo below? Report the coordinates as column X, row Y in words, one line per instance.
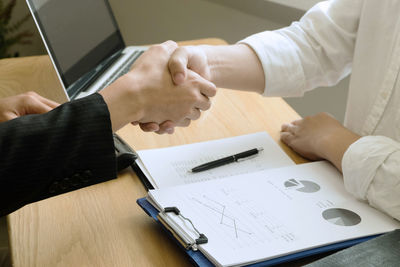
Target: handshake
column 164, row 89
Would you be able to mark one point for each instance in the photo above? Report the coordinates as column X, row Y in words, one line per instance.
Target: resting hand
column 24, row 104
column 319, row 137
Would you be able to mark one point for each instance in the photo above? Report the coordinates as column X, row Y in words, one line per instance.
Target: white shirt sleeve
column 316, row 51
column 371, row 171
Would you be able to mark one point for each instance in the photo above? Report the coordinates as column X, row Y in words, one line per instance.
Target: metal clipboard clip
column 186, row 240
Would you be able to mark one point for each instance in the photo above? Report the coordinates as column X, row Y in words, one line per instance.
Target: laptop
column 84, row 43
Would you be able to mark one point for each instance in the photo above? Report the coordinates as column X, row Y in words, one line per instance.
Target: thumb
column 178, row 65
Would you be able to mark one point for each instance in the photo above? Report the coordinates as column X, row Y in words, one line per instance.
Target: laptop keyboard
column 123, row 69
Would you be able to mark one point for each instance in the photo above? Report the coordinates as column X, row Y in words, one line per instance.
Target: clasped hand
column 160, row 92
column 183, row 64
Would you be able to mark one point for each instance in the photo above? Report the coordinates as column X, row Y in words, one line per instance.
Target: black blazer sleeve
column 49, row 154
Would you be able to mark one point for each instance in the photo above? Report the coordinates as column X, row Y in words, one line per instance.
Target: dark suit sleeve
column 49, row 154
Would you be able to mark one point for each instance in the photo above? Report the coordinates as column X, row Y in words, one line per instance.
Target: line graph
column 225, row 219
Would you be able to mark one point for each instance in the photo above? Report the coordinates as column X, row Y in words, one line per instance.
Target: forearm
column 235, row 67
column 56, row 152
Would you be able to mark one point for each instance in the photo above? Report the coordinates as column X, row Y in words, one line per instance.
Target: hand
column 148, row 93
column 232, row 66
column 182, row 60
column 188, row 58
column 165, row 127
column 24, row 104
column 319, row 137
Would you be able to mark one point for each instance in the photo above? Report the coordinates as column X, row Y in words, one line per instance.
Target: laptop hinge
column 83, row 83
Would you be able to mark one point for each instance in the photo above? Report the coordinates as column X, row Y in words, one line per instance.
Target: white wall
column 152, row 21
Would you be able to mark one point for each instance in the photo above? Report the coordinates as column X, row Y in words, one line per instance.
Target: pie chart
column 341, row 217
column 302, row 185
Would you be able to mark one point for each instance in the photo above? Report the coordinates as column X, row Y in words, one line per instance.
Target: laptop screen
column 79, row 34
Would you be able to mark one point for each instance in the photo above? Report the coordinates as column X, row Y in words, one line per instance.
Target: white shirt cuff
column 362, row 160
column 282, row 68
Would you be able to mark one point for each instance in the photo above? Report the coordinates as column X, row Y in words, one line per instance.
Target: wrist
column 213, row 59
column 123, row 101
column 133, row 96
column 333, row 145
column 235, row 66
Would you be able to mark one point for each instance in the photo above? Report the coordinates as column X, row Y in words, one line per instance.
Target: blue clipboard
column 200, row 260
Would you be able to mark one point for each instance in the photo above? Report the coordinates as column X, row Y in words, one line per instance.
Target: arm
column 315, row 51
column 56, row 152
column 232, row 66
column 72, row 146
column 370, row 164
column 371, row 171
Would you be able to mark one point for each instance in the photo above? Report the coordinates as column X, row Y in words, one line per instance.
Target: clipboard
column 198, row 258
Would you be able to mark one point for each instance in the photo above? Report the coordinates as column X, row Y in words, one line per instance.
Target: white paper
column 271, row 213
column 170, row 166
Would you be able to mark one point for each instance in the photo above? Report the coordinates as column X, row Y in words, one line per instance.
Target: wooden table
column 102, row 225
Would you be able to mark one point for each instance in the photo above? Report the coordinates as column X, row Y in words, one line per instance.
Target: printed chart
column 304, row 186
column 341, row 217
column 225, row 219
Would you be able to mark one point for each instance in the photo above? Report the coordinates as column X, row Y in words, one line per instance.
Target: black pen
column 220, row 162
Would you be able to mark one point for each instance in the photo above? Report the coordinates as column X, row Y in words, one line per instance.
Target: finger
column 170, row 46
column 288, row 127
column 35, row 106
column 195, row 114
column 203, row 103
column 206, row 87
column 287, row 137
column 8, row 116
column 184, row 123
column 284, row 127
column 149, row 127
column 44, row 100
column 296, row 122
column 166, row 127
column 178, row 64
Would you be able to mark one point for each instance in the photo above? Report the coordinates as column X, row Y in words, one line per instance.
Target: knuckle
column 31, row 93
column 200, row 99
column 197, row 114
column 307, row 118
column 188, row 110
column 196, row 83
column 28, row 98
column 158, row 48
column 171, row 43
column 186, row 123
column 181, row 50
column 207, row 105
